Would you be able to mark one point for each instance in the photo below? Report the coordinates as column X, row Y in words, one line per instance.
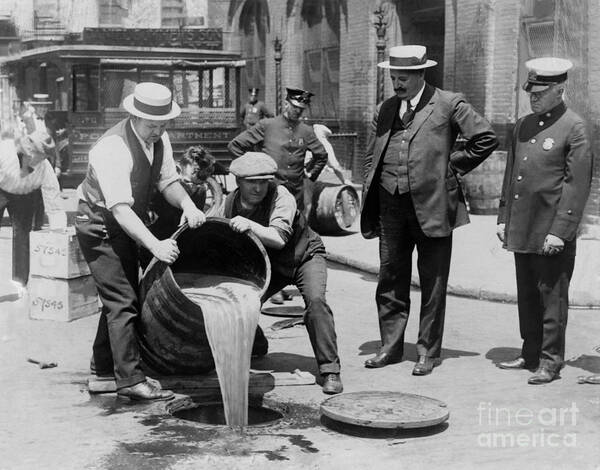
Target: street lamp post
column 380, row 27
column 277, row 47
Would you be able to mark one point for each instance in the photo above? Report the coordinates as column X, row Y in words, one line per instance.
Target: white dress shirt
column 413, row 102
column 13, row 181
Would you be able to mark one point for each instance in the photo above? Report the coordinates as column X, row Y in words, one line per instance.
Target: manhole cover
column 285, row 311
column 385, row 410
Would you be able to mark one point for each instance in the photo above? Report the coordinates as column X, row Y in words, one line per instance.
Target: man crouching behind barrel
column 128, row 163
column 261, row 206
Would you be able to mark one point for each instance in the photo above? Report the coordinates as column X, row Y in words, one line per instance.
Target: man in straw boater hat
column 261, row 206
column 546, row 185
column 412, row 197
column 129, row 162
column 254, row 110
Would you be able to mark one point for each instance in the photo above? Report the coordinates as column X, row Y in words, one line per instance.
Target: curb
column 579, row 298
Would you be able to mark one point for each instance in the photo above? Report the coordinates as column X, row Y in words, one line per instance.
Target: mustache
column 399, row 89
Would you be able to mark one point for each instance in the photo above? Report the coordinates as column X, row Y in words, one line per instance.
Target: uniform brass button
column 533, row 141
column 525, row 158
column 569, row 212
column 541, row 123
column 548, row 114
column 516, row 196
column 519, row 178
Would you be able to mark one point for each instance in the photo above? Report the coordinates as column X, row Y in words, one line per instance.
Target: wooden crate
column 62, row 299
column 56, row 253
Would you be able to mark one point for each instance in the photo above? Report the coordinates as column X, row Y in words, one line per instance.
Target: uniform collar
column 533, row 124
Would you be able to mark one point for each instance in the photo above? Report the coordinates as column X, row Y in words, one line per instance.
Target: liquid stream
column 231, row 308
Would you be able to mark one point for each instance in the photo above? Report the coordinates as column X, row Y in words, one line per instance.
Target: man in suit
column 254, row 110
column 412, row 197
column 546, row 185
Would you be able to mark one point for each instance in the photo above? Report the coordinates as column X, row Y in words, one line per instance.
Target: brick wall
column 591, row 221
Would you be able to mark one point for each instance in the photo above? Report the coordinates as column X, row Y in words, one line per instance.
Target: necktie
column 408, row 114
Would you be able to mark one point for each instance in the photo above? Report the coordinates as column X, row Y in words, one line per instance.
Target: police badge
column 548, row 143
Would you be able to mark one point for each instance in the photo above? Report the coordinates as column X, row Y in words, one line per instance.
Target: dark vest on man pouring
column 144, row 176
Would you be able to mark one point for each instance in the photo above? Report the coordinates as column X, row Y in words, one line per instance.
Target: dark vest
column 302, row 245
column 143, row 178
column 394, row 169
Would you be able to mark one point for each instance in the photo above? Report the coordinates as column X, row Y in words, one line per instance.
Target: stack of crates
column 60, row 285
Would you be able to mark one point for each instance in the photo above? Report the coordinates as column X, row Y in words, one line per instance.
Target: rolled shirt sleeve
column 283, row 213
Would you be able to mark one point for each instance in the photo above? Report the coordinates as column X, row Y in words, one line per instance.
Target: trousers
column 114, row 264
column 21, row 209
column 543, row 303
column 400, row 233
column 311, row 280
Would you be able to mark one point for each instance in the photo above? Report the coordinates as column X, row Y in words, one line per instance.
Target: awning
column 174, row 62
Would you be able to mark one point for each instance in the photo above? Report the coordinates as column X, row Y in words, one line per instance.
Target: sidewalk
column 480, row 267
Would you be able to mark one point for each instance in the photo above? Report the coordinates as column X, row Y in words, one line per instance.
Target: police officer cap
column 298, row 97
column 545, row 72
column 254, row 166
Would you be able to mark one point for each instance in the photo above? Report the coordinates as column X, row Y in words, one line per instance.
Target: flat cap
column 254, row 166
column 545, row 72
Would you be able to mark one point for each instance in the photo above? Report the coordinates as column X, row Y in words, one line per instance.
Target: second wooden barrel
column 484, row 185
column 172, row 335
column 334, row 208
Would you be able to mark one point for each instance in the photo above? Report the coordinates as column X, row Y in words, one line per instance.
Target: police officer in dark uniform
column 546, row 185
column 254, row 110
column 286, row 139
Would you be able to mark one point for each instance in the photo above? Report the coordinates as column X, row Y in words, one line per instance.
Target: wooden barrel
column 484, row 184
column 172, row 335
column 334, row 208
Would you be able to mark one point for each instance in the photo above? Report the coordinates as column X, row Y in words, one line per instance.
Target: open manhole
column 213, row 414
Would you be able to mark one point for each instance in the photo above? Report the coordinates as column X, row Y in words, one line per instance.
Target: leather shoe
column 518, row 363
column 382, row 359
column 425, row 365
column 590, row 379
column 332, row 384
column 543, row 375
column 145, row 391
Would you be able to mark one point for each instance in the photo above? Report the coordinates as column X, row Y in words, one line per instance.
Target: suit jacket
column 547, row 179
column 286, row 143
column 433, row 166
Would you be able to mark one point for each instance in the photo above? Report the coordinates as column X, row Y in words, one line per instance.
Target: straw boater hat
column 152, row 101
column 407, row 58
column 254, row 166
column 545, row 72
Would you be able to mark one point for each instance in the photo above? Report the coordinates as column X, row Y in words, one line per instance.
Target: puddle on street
column 184, row 434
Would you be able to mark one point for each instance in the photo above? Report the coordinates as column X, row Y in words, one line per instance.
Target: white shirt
column 13, row 181
column 112, row 163
column 413, row 102
column 322, row 132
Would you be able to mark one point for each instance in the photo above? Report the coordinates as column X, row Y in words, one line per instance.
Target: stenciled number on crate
column 50, row 250
column 47, row 303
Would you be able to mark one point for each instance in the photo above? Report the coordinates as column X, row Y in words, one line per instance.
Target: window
column 85, row 88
